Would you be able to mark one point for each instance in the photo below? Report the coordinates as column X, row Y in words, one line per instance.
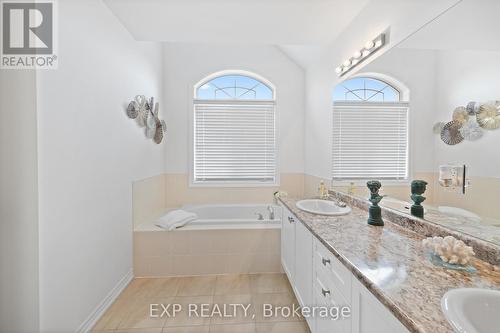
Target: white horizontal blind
column 234, row 141
column 370, row 141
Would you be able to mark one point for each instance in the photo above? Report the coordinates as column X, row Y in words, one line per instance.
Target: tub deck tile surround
column 390, row 262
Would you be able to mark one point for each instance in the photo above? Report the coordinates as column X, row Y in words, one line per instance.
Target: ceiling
column 470, row 25
column 278, row 22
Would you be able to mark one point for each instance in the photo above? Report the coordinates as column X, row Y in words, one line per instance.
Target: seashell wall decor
column 469, row 122
column 145, row 112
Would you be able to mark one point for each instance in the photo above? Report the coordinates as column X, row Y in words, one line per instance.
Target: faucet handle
column 260, row 217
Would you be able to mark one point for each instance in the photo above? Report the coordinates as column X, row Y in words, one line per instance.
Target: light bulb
column 370, row 44
column 338, row 70
column 378, row 43
column 347, row 63
column 357, row 54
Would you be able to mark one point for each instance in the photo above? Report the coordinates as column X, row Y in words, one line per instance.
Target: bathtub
column 233, row 217
column 225, row 239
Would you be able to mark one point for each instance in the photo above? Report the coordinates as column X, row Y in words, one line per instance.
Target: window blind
column 370, row 141
column 234, row 141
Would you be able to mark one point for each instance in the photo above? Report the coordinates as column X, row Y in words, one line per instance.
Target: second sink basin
column 472, row 310
column 322, row 207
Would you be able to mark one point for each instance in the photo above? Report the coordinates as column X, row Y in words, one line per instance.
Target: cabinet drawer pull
column 325, row 292
column 290, row 219
column 325, row 261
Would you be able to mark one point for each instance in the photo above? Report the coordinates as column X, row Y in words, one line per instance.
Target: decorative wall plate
column 450, row 134
column 438, row 127
column 489, row 116
column 132, row 110
column 472, row 108
column 460, row 114
column 471, row 130
column 159, row 133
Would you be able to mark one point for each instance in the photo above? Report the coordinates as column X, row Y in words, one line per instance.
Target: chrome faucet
column 260, row 217
column 271, row 212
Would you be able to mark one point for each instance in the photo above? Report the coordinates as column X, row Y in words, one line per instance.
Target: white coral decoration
column 449, row 249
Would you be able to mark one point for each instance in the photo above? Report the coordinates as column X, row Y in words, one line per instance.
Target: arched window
column 370, row 131
column 234, row 135
column 234, row 87
column 366, row 89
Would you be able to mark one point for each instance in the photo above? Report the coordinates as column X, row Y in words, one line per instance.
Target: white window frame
column 241, row 184
column 404, row 95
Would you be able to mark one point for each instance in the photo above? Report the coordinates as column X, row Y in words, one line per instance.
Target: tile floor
column 130, row 312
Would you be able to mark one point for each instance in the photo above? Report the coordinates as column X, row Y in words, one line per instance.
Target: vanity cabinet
column 303, row 264
column 288, row 223
column 319, row 279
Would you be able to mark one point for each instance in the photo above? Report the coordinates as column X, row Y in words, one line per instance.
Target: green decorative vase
column 418, row 188
column 375, row 212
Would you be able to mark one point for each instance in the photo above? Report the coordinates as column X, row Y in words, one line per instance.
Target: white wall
column 186, row 64
column 402, row 19
column 18, row 202
column 463, row 76
column 89, row 154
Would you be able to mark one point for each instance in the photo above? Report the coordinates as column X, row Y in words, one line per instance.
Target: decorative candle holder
column 375, row 212
column 418, row 188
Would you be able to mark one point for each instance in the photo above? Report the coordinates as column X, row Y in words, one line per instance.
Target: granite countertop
column 390, row 262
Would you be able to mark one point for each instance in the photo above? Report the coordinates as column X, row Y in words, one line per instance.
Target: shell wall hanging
column 469, row 122
column 145, row 112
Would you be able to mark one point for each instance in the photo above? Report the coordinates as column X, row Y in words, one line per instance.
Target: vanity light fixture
column 360, row 55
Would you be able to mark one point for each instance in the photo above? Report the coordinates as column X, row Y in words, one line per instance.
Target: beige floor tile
column 196, row 286
column 139, row 330
column 282, row 327
column 231, row 311
column 233, row 328
column 134, row 289
column 269, row 307
column 191, row 318
column 187, row 329
column 139, row 316
column 116, row 313
column 161, row 287
column 233, row 284
column 269, row 283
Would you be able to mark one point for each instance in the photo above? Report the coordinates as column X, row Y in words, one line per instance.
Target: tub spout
column 271, row 212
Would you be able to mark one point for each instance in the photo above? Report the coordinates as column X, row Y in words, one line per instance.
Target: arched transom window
column 234, row 135
column 234, row 87
column 365, row 89
column 370, row 131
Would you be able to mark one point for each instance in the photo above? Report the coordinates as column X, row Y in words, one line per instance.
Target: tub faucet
column 260, row 217
column 271, row 212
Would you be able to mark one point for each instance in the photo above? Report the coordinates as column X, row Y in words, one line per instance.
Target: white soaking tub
column 236, row 216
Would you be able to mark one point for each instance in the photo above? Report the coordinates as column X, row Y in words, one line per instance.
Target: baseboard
column 87, row 325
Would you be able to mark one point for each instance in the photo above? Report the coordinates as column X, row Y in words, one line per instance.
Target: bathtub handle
column 325, row 292
column 325, row 261
column 291, row 219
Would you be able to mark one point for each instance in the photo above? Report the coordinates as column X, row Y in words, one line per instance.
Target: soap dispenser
column 322, row 190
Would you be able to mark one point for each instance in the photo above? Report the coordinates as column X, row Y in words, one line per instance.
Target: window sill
column 362, row 182
column 233, row 184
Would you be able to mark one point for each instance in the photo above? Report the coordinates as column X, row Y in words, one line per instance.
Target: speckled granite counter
column 389, row 261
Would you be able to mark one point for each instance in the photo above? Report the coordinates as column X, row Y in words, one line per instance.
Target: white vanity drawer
column 325, row 296
column 332, row 270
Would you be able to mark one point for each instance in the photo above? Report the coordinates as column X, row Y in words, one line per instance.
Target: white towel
column 175, row 219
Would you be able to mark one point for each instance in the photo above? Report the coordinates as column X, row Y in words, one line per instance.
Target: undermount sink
column 322, row 207
column 472, row 310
